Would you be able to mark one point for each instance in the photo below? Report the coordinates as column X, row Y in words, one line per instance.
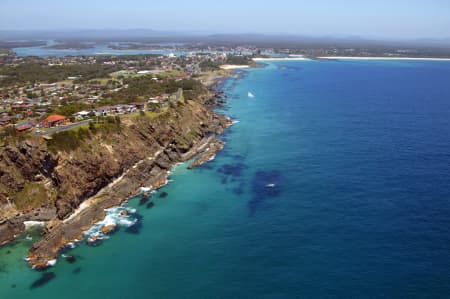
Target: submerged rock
column 136, row 227
column 143, row 200
column 163, row 194
column 45, row 278
column 76, row 270
column 99, row 175
column 233, row 170
column 70, row 259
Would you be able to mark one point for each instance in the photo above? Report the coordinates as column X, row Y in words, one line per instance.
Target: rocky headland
column 69, row 189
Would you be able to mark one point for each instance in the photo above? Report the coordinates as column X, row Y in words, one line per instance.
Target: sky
column 399, row 19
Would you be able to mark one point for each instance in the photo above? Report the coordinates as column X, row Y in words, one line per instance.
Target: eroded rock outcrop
column 103, row 171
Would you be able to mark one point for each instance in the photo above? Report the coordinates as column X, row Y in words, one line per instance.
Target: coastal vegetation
column 114, row 113
column 238, row 60
column 47, row 178
column 35, row 72
column 209, row 65
column 69, row 109
column 71, row 139
column 33, row 195
column 144, row 87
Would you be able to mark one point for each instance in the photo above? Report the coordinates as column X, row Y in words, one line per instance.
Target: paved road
column 62, row 128
column 178, row 95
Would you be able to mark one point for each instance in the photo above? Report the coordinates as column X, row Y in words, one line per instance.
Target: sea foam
column 117, row 216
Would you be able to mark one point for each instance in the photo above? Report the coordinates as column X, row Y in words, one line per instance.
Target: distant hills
column 261, row 40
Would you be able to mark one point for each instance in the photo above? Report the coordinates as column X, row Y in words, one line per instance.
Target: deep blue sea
column 335, row 183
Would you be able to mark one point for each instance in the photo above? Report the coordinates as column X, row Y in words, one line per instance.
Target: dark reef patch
column 71, row 259
column 265, row 185
column 163, row 194
column 207, row 166
column 136, row 227
column 150, row 205
column 239, row 190
column 44, row 279
column 224, row 180
column 233, row 170
column 232, row 174
column 76, row 270
column 290, row 67
column 144, row 200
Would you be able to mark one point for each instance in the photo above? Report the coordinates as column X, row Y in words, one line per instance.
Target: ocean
column 334, row 183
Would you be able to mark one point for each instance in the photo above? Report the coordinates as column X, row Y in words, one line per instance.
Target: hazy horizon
column 403, row 20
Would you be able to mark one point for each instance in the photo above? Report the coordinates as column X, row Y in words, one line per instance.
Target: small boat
column 28, row 238
column 270, row 185
column 250, row 95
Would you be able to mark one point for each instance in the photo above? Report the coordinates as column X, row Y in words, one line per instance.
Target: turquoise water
column 358, row 155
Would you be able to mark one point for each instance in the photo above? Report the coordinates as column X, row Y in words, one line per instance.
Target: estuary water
column 44, row 51
column 335, row 183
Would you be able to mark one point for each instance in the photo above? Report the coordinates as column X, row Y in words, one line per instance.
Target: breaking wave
column 116, row 217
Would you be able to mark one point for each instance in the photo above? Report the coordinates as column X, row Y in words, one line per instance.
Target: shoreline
column 93, row 210
column 234, row 66
column 152, row 171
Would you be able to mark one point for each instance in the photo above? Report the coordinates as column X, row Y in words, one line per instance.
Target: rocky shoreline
column 151, row 172
column 104, row 174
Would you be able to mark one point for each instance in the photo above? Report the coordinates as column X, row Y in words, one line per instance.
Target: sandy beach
column 233, row 67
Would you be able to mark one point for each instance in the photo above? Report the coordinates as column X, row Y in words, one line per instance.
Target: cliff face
column 103, row 170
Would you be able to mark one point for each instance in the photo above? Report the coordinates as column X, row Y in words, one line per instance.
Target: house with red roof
column 23, row 127
column 54, row 121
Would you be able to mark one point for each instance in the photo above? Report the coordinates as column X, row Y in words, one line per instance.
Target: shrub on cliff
column 64, row 141
column 68, row 140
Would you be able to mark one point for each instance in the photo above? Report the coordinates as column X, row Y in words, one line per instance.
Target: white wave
column 146, row 189
column 126, row 222
column 51, row 263
column 117, row 216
